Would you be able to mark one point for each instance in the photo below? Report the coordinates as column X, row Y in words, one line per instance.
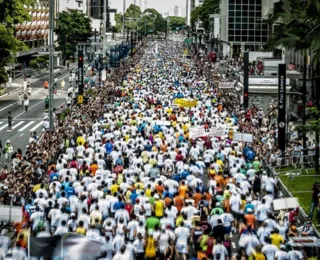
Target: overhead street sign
column 187, row 40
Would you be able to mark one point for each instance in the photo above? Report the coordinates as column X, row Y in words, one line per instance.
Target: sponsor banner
column 226, row 85
column 287, row 203
column 185, row 102
column 218, row 131
column 196, row 132
column 199, row 131
column 242, row 137
column 68, row 246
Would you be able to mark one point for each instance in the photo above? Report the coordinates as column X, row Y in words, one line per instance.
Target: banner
column 43, row 246
column 69, row 246
column 287, row 203
column 226, row 85
column 185, row 102
column 196, row 132
column 218, row 131
column 241, row 137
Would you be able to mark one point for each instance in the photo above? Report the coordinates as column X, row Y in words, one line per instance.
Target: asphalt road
column 25, row 123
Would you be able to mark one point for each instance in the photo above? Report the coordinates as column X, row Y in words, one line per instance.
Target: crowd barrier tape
column 182, row 102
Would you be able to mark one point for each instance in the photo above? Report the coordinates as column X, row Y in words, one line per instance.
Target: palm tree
column 297, row 28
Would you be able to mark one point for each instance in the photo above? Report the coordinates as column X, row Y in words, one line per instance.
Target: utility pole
column 124, row 17
column 105, row 9
column 51, row 62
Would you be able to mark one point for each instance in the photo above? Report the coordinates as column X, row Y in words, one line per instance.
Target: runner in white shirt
column 182, row 247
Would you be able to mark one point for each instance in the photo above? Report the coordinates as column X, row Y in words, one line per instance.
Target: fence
column 282, row 191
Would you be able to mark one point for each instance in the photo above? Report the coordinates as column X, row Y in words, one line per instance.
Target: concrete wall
column 253, row 55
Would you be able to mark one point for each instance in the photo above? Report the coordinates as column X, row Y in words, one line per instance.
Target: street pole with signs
column 80, row 75
column 282, row 107
column 51, row 63
column 246, row 80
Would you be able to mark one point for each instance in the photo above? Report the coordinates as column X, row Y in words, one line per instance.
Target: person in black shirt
column 108, row 163
column 219, row 231
column 10, row 118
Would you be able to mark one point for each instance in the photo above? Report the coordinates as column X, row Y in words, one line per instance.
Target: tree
column 177, row 22
column 313, row 127
column 154, row 21
column 11, row 12
column 298, row 28
column 203, row 12
column 132, row 16
column 72, row 26
column 149, row 20
column 119, row 22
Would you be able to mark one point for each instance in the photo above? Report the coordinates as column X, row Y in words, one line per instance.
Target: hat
column 156, row 196
column 8, row 142
column 249, row 210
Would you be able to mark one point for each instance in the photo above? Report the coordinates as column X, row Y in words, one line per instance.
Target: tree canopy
column 72, row 26
column 11, row 12
column 177, row 22
column 203, row 12
column 149, row 20
column 297, row 26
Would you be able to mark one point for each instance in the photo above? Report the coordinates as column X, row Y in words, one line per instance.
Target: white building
column 190, row 5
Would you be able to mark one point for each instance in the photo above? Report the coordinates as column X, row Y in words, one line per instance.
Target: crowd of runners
column 125, row 169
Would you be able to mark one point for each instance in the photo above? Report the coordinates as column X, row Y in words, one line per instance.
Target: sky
column 162, row 6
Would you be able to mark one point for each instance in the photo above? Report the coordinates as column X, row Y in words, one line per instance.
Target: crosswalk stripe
column 3, row 127
column 36, row 126
column 27, row 125
column 16, row 125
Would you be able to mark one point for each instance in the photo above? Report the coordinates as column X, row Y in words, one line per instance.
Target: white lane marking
column 36, row 126
column 3, row 127
column 16, row 125
column 29, row 109
column 27, row 125
column 8, row 106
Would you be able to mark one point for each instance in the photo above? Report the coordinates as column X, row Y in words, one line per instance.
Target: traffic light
column 80, row 71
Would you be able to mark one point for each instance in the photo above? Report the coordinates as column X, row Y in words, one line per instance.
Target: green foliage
column 297, row 26
column 177, row 22
column 132, row 15
column 313, row 124
column 72, row 26
column 150, row 19
column 35, row 63
column 119, row 22
column 203, row 12
column 11, row 13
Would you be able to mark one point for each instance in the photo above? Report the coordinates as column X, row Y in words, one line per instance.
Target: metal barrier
column 300, row 161
column 282, row 191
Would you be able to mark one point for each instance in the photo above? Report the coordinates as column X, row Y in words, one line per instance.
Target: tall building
column 34, row 33
column 190, row 5
column 241, row 25
column 176, row 11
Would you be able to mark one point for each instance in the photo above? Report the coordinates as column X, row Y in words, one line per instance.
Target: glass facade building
column 245, row 22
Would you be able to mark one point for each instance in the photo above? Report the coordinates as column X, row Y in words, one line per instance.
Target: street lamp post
column 51, row 62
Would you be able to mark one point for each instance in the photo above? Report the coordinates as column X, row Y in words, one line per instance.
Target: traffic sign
column 80, row 99
column 188, row 40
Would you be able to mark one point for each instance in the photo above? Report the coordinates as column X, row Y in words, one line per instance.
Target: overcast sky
column 162, row 6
